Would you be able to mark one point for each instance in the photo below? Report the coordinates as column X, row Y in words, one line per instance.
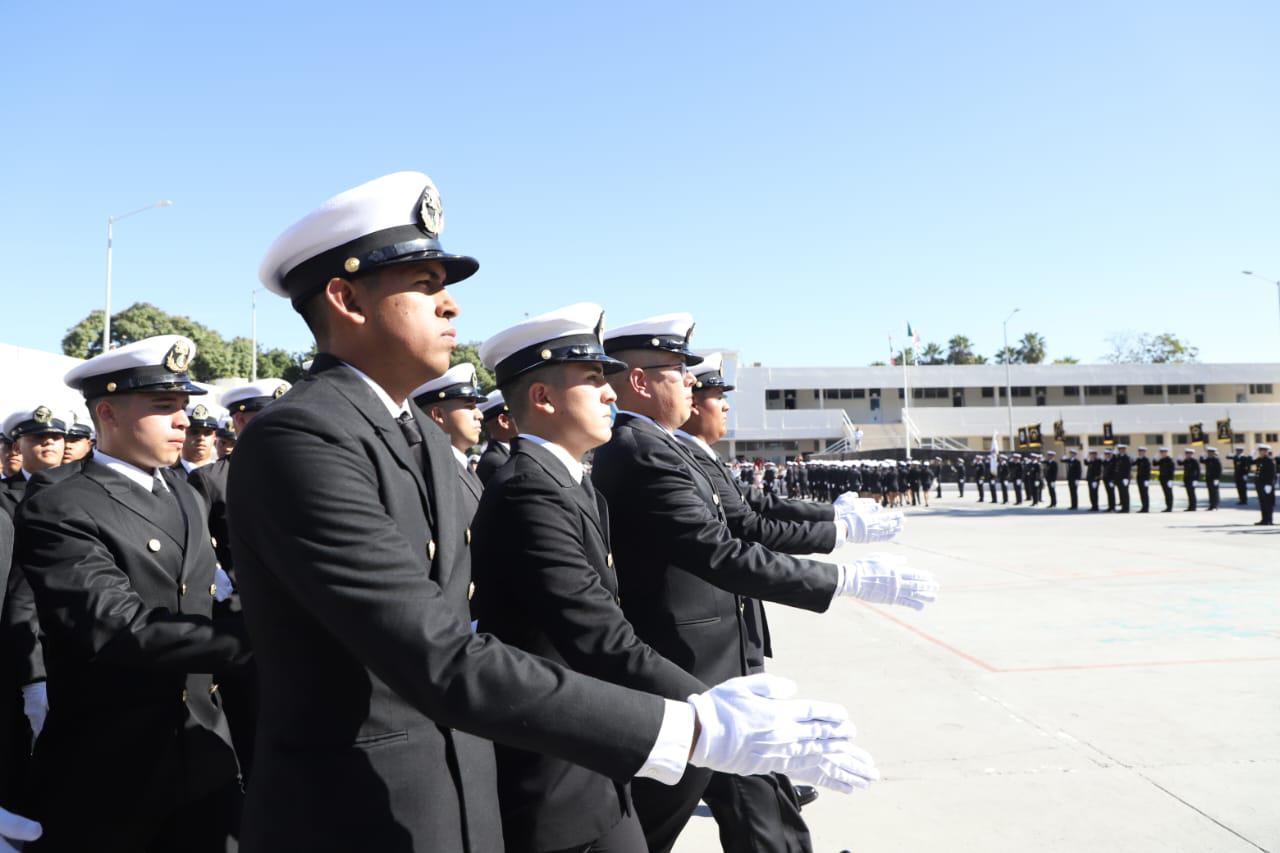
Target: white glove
column 886, row 579
column 866, row 521
column 35, row 704
column 1266, row 490
column 16, row 828
column 222, row 586
column 846, row 499
column 751, row 725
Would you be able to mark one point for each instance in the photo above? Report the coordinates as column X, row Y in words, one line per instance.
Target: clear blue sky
column 806, row 178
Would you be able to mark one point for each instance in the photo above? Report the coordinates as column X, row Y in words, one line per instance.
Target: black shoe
column 1190, row 509
column 1166, row 510
column 1141, row 511
column 805, row 794
column 1261, row 524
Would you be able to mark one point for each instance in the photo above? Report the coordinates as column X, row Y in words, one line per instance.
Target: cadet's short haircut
column 516, row 392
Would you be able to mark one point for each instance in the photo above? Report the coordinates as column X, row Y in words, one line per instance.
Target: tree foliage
column 960, row 351
column 1031, row 349
column 932, row 354
column 1144, row 348
column 215, row 356
column 471, row 352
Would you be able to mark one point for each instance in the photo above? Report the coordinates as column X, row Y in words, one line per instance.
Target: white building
column 779, row 412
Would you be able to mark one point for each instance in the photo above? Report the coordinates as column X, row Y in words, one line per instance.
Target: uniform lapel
column 442, row 488
column 556, row 470
column 133, row 497
column 196, row 527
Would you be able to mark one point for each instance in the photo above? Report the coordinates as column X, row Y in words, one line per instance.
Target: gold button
column 153, row 545
column 213, row 688
column 182, row 589
column 351, row 264
column 654, row 341
column 431, row 549
column 442, row 395
column 468, row 535
column 213, row 540
column 111, row 386
column 608, row 560
column 715, row 499
column 471, row 591
column 213, row 590
column 546, row 354
column 184, row 695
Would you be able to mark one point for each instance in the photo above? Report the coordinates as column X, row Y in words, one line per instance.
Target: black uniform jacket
column 682, row 570
column 469, row 488
column 354, row 570
column 545, row 581
column 1142, row 465
column 124, row 593
column 789, row 509
column 21, row 656
column 1165, row 466
column 211, row 482
column 493, row 458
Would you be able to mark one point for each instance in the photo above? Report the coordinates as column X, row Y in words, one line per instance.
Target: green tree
column 932, row 354
column 1164, row 348
column 471, row 352
column 1008, row 355
column 1066, row 359
column 960, row 351
column 1031, row 349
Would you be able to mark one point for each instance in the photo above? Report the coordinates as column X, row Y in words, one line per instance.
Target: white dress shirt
column 141, row 476
column 393, row 408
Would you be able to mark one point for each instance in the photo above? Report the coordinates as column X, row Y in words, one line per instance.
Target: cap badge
column 178, row 357
column 280, row 391
column 200, row 413
column 688, row 336
column 430, row 211
column 600, row 329
column 42, row 415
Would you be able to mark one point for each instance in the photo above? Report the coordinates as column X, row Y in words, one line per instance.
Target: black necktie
column 170, row 515
column 588, row 488
column 409, row 427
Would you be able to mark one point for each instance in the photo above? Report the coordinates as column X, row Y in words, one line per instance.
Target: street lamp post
column 253, row 334
column 1008, row 382
column 1263, row 278
column 112, row 220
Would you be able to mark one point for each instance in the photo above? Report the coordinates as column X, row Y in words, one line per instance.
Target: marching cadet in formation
column 450, row 401
column 978, row 471
column 79, row 438
column 135, row 754
column 1212, row 475
column 1240, row 465
column 1074, row 472
column 1143, row 475
column 500, row 427
column 1164, row 468
column 1190, row 473
column 682, row 571
column 1093, row 477
column 239, row 687
column 1123, row 471
column 379, row 704
column 1109, row 477
column 1051, row 477
column 1266, row 483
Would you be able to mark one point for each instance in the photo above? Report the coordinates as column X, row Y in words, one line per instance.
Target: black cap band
column 151, row 379
column 677, row 344
column 457, row 391
column 35, row 427
column 708, row 381
column 571, row 348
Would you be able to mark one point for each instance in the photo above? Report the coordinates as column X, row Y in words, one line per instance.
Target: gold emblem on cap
column 280, row 391
column 430, row 211
column 42, row 415
column 600, row 329
column 200, row 413
column 546, row 354
column 153, row 545
column 178, row 357
column 688, row 336
column 352, row 265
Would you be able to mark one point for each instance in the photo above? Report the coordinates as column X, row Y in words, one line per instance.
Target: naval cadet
column 1093, row 476
column 1212, row 475
column 546, row 582
column 1109, row 477
column 1240, row 465
column 1074, row 472
column 1142, row 467
column 450, row 400
column 378, row 701
column 226, row 437
column 683, row 573
column 1164, row 469
column 39, row 437
column 501, row 429
column 1051, row 476
column 79, row 438
column 200, row 447
column 1190, row 473
column 1265, row 482
column 1123, row 471
column 136, row 754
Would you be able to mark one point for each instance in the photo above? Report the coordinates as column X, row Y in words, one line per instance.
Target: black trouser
column 1190, row 486
column 1111, row 494
column 960, row 486
column 1266, row 501
column 1122, row 486
column 1144, row 495
column 757, row 814
column 625, row 837
column 993, row 494
column 1053, row 493
column 1017, row 490
column 1093, row 494
column 939, row 487
column 1212, row 485
column 1167, row 488
column 665, row 809
column 1004, row 490
column 1242, row 491
column 1072, row 485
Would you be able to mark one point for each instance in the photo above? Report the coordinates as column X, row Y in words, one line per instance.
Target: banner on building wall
column 1197, row 434
column 1059, row 432
column 1108, row 436
column 1225, row 435
column 1034, row 438
column 1022, row 437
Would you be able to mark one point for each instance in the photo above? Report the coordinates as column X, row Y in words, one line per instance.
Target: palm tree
column 1031, row 348
column 932, row 354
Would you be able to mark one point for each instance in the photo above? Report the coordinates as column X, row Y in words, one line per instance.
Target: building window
column 1095, row 441
column 1155, row 438
column 1182, row 438
column 1152, row 391
column 988, row 392
column 1098, row 391
column 1199, row 391
column 1071, row 440
column 838, row 394
column 1179, row 389
column 929, row 393
column 1071, row 390
column 1041, row 394
column 858, row 393
column 773, row 394
column 1122, row 395
column 788, row 398
column 1022, row 390
column 1260, row 389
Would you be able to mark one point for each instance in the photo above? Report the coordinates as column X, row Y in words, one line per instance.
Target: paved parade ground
column 1086, row 682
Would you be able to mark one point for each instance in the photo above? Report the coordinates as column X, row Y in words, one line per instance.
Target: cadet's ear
column 437, row 415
